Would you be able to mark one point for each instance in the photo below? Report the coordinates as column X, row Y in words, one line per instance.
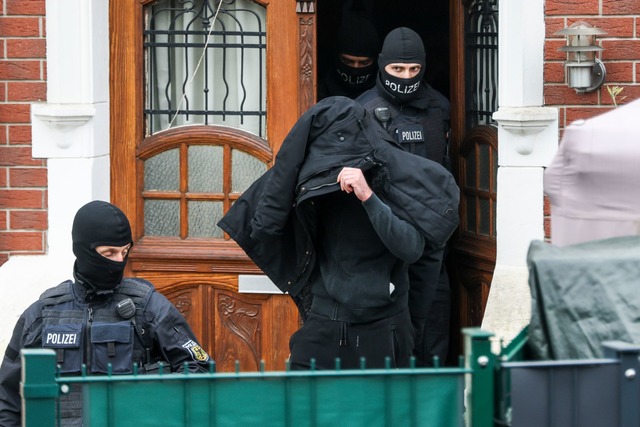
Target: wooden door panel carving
column 238, row 336
column 253, row 329
column 472, row 282
column 186, row 299
column 245, row 328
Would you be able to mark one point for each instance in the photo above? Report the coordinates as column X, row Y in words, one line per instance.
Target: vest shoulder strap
column 372, row 100
column 139, row 290
column 58, row 294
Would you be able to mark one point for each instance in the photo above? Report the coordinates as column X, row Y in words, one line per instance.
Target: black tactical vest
column 94, row 335
column 418, row 131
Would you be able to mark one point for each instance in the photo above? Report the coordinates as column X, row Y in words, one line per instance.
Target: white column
column 71, row 131
column 527, row 141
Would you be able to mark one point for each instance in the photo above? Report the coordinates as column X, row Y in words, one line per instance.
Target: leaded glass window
column 205, row 64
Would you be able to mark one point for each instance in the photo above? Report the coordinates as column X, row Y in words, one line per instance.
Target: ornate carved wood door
column 474, row 144
column 202, row 93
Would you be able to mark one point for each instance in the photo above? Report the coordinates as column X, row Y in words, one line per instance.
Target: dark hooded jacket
column 272, row 221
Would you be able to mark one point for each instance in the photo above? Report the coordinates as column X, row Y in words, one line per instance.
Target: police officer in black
column 100, row 319
column 417, row 116
column 353, row 69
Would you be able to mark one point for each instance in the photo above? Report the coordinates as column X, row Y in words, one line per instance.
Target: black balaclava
column 402, row 45
column 96, row 224
column 357, row 37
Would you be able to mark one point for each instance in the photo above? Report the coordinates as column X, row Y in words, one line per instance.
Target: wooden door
column 474, row 145
column 200, row 64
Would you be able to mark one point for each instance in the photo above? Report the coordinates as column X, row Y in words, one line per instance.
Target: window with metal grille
column 481, row 56
column 205, row 64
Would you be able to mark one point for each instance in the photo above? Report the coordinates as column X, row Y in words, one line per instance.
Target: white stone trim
column 527, row 135
column 71, row 131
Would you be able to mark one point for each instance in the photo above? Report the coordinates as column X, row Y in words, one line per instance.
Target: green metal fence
column 487, row 390
column 367, row 397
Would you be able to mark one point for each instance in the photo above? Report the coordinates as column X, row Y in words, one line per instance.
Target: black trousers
column 436, row 333
column 324, row 340
column 430, row 306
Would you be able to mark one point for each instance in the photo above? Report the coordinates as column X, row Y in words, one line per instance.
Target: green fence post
column 38, row 388
column 480, row 385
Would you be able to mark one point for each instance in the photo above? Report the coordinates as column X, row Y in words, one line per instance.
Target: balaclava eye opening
column 402, row 45
column 96, row 224
column 357, row 37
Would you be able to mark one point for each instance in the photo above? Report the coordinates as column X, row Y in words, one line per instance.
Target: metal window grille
column 205, row 64
column 481, row 51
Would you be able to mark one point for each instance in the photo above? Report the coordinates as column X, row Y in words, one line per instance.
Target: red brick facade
column 621, row 56
column 23, row 180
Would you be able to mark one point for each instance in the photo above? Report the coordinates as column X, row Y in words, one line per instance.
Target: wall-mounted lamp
column 585, row 72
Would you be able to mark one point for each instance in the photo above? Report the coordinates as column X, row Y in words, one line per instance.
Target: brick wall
column 621, row 56
column 23, row 180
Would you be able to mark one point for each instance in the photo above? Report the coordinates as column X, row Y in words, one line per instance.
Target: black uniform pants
column 430, row 306
column 325, row 340
column 436, row 334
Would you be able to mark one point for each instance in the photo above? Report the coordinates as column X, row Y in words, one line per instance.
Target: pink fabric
column 593, row 182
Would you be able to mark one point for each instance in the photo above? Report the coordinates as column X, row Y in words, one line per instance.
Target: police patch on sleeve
column 197, row 352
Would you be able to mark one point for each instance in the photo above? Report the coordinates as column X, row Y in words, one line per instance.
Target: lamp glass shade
column 578, row 77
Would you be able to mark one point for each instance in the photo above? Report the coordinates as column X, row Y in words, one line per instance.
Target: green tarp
column 583, row 295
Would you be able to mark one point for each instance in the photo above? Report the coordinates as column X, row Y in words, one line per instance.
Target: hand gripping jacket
column 271, row 221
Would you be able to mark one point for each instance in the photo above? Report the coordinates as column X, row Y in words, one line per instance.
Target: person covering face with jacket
column 417, row 117
column 335, row 223
column 99, row 319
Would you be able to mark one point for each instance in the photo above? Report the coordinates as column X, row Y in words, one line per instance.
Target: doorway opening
column 429, row 19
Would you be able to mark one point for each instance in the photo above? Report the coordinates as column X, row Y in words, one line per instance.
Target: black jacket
column 270, row 222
